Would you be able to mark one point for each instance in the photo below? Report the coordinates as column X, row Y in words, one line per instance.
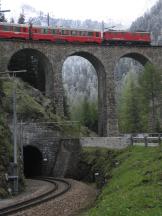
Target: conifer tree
column 150, row 92
column 21, row 19
column 129, row 118
column 2, row 18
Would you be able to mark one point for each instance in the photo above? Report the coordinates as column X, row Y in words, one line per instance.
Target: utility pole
column 102, row 29
column 48, row 18
column 15, row 168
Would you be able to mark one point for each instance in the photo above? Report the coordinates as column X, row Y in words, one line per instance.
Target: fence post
column 159, row 139
column 146, row 141
column 131, row 140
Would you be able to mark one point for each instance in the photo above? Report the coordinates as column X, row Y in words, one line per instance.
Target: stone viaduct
column 104, row 60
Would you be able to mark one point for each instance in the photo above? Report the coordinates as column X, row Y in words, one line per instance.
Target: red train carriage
column 8, row 30
column 122, row 37
column 65, row 35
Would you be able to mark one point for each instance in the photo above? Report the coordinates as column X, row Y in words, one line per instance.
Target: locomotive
column 65, row 35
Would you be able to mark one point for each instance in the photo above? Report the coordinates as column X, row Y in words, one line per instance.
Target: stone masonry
column 104, row 60
column 59, row 155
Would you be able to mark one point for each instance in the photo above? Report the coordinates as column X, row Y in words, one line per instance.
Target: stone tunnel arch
column 38, row 66
column 101, row 75
column 32, row 161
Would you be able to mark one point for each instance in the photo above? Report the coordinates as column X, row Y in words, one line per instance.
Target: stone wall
column 106, row 142
column 67, row 158
column 59, row 155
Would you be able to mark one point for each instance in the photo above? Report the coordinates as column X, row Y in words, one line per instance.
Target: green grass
column 135, row 188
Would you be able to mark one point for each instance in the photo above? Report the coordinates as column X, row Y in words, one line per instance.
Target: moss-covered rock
column 5, row 153
column 96, row 165
column 32, row 105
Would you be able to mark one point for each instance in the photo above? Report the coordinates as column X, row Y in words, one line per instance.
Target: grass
column 135, row 188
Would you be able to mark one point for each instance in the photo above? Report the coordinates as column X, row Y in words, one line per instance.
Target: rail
column 52, row 194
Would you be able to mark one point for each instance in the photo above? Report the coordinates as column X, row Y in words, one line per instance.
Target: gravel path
column 79, row 197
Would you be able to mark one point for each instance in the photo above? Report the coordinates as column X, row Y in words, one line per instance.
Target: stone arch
column 33, row 159
column 101, row 74
column 39, row 75
column 141, row 58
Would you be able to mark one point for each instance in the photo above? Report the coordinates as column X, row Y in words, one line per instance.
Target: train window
column 85, row 33
column 45, row 31
column 82, row 33
column 97, row 34
column 6, row 28
column 54, row 31
column 73, row 32
column 90, row 33
column 65, row 32
column 16, row 29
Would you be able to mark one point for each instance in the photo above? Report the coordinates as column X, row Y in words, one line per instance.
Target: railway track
column 76, row 44
column 60, row 186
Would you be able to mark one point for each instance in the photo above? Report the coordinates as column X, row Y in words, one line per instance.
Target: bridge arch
column 141, row 58
column 38, row 66
column 101, row 74
column 33, row 158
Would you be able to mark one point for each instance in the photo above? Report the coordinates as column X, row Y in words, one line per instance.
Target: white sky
column 120, row 11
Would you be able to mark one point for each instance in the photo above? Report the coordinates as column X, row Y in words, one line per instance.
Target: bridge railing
column 152, row 139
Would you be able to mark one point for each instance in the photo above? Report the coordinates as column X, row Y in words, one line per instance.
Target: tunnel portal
column 32, row 161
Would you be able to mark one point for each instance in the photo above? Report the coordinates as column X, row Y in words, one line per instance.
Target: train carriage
column 13, row 31
column 126, row 38
column 62, row 35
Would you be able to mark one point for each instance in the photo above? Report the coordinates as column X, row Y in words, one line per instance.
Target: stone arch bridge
column 103, row 58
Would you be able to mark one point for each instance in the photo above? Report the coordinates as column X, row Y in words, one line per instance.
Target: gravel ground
column 33, row 189
column 79, row 197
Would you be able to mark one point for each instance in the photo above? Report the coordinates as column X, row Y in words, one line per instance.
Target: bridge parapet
column 106, row 142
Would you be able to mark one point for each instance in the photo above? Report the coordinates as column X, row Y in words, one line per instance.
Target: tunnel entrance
column 32, row 161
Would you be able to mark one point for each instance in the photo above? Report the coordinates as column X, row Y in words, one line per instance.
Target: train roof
column 49, row 27
column 66, row 28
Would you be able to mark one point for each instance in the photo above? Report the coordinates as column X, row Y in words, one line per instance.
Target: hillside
column 135, row 188
column 151, row 22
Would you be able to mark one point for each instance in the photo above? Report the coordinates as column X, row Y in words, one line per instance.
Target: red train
column 63, row 35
